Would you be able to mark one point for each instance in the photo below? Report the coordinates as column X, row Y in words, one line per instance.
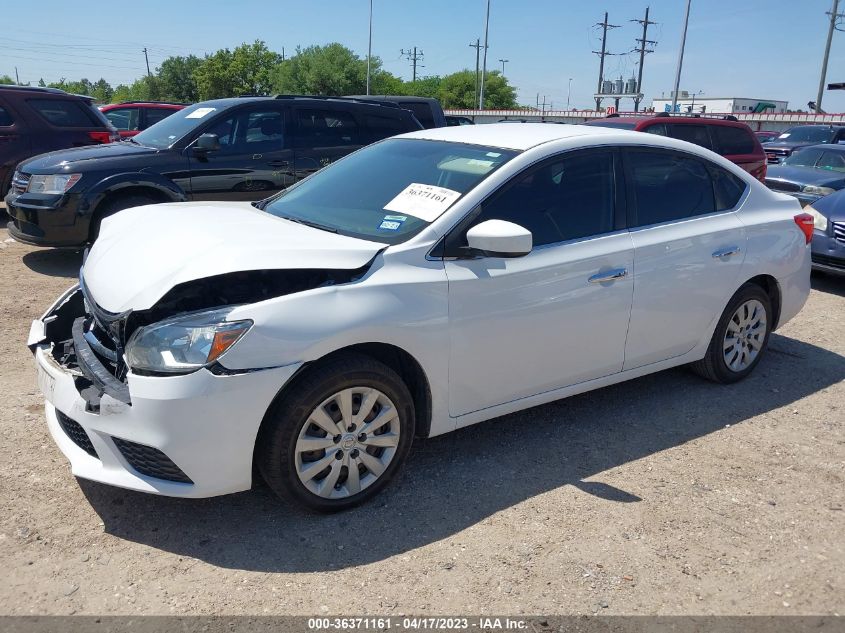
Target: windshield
column 389, row 191
column 167, row 131
column 808, row 134
column 804, row 158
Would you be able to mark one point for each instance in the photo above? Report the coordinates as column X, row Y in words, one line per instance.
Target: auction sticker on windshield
column 425, row 202
column 200, row 113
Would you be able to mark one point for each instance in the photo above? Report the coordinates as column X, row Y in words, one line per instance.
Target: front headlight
column 54, row 183
column 819, row 221
column 818, row 191
column 184, row 344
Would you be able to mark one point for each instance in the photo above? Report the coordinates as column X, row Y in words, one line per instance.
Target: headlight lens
column 54, row 183
column 819, row 221
column 819, row 191
column 184, row 344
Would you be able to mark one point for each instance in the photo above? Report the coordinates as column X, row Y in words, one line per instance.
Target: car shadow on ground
column 831, row 284
column 454, row 481
column 54, row 262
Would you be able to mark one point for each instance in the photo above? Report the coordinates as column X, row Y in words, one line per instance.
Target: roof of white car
column 518, row 136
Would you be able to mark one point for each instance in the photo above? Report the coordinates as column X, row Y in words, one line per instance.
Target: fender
column 116, row 182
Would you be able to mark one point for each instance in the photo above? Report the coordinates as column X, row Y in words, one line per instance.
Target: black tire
column 275, row 449
column 714, row 366
column 112, row 206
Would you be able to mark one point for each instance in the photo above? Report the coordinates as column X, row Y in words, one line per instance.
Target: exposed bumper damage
column 188, row 435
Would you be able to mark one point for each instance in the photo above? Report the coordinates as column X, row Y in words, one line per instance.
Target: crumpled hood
column 142, row 253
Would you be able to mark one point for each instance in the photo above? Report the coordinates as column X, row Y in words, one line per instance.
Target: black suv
column 37, row 120
column 229, row 149
column 800, row 136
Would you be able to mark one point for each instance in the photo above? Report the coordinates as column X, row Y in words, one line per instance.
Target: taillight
column 805, row 223
column 102, row 137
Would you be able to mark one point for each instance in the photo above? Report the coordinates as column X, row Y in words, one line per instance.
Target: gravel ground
column 663, row 495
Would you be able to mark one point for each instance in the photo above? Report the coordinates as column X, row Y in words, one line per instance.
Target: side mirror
column 207, row 143
column 498, row 238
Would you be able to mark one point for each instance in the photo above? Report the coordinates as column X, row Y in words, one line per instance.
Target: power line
column 414, row 58
column 605, row 25
column 642, row 50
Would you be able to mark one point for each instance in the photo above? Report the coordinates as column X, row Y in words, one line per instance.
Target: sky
column 760, row 49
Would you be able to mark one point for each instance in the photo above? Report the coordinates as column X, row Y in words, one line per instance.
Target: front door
column 689, row 246
column 254, row 159
column 557, row 316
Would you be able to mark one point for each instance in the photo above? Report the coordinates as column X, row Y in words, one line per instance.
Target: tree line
column 253, row 69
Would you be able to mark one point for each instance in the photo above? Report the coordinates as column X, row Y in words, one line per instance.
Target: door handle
column 610, row 275
column 726, row 252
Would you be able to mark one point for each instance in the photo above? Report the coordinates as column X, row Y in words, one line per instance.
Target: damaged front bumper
column 188, row 435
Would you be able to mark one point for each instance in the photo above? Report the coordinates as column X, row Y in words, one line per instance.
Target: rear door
column 322, row 134
column 254, row 159
column 65, row 122
column 127, row 120
column 14, row 144
column 689, row 246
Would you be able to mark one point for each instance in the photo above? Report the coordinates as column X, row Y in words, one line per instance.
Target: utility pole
column 504, row 61
column 834, row 16
column 369, row 47
column 283, row 53
column 484, row 63
column 568, row 93
column 477, row 47
column 642, row 50
column 604, row 25
column 413, row 57
column 149, row 74
column 681, row 57
column 17, row 79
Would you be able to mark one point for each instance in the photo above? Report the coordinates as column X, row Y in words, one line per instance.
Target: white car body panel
column 491, row 335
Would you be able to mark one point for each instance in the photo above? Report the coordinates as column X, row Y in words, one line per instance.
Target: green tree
column 5, row 79
column 424, row 87
column 122, row 92
column 176, row 78
column 458, row 91
column 330, row 70
column 102, row 91
column 41, row 83
column 246, row 70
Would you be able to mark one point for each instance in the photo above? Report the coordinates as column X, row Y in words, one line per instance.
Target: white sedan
column 422, row 284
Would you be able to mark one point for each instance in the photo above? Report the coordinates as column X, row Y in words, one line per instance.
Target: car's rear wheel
column 740, row 338
column 338, row 434
column 112, row 206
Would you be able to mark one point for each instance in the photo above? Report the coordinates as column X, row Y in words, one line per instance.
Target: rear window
column 64, row 112
column 154, row 115
column 732, row 140
column 379, row 127
column 5, row 117
column 422, row 111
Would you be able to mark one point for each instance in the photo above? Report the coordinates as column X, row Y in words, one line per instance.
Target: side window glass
column 727, row 188
column 561, row 200
column 264, row 131
column 154, row 115
column 732, row 140
column 64, row 112
column 5, row 117
column 669, row 186
column 379, row 127
column 658, row 129
column 225, row 130
column 696, row 134
column 325, row 128
column 832, row 160
column 124, row 119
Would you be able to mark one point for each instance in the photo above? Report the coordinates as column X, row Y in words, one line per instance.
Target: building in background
column 697, row 104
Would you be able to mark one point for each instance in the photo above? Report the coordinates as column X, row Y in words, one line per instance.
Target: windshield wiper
column 313, row 225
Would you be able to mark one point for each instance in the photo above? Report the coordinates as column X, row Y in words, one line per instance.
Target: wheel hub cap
column 745, row 335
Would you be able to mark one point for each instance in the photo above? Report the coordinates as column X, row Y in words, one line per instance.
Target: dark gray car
column 810, row 173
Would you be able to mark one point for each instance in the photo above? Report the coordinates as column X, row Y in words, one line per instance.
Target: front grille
column 839, row 232
column 782, row 185
column 775, row 155
column 76, row 434
column 150, row 461
column 829, row 261
column 20, row 182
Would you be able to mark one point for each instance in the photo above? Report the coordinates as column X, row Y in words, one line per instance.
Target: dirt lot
column 663, row 495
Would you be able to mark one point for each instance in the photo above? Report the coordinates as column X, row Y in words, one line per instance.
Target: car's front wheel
column 338, row 434
column 740, row 338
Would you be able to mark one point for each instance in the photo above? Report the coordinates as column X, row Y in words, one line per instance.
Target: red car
column 726, row 136
column 132, row 117
column 764, row 136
